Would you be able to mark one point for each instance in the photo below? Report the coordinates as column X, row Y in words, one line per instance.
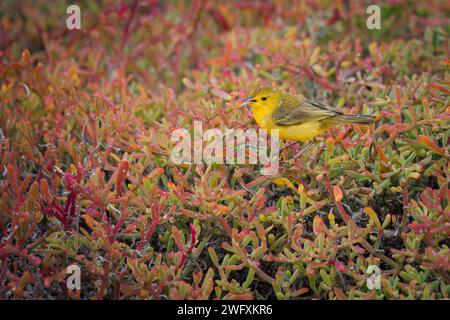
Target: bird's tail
column 361, row 119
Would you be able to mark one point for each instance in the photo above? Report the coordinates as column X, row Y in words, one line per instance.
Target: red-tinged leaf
column 35, row 261
column 121, row 174
column 340, row 294
column 297, row 233
column 12, row 178
column 95, row 226
column 417, row 227
column 338, row 194
column 220, row 19
column 431, row 145
column 188, row 83
column 242, row 234
column 358, row 249
column 44, row 189
column 193, row 238
column 48, row 281
column 310, row 271
column 381, row 153
column 318, row 225
column 340, row 266
column 440, row 88
column 176, row 234
column 221, row 94
column 243, row 296
column 403, row 127
column 130, row 228
column 7, row 250
column 156, row 172
column 220, row 209
column 26, row 277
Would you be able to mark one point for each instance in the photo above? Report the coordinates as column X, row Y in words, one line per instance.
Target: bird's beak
column 245, row 101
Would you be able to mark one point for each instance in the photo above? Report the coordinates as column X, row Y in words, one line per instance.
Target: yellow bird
column 296, row 117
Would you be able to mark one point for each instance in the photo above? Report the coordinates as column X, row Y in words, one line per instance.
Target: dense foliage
column 86, row 178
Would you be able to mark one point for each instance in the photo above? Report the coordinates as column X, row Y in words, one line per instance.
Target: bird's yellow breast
column 301, row 132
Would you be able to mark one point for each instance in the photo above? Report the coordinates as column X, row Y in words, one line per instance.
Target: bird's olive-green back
column 297, row 110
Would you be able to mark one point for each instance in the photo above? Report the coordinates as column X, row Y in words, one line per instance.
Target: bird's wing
column 293, row 111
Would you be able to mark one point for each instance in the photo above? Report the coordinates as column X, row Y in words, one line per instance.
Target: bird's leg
column 315, row 157
column 303, row 150
column 290, row 144
column 285, row 150
column 300, row 152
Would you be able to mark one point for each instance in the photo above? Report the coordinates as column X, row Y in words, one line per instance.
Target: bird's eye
column 264, row 98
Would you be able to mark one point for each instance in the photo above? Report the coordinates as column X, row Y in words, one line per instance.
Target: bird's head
column 263, row 98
